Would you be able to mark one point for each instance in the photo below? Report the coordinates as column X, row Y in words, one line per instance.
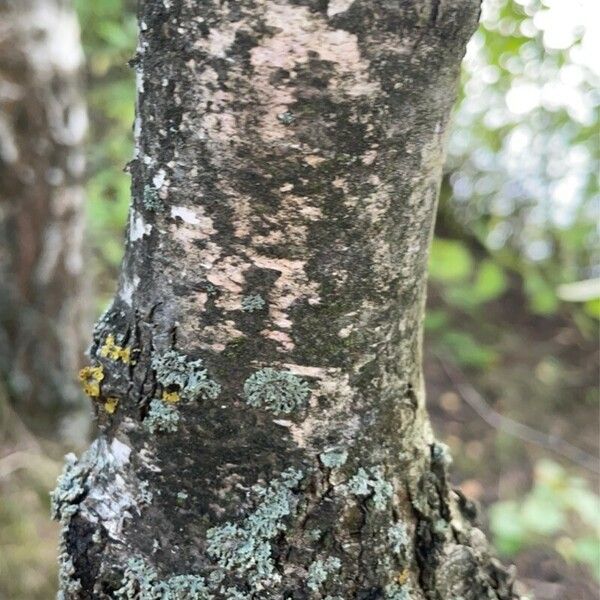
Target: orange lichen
column 91, row 378
column 112, row 350
column 170, row 397
column 111, row 404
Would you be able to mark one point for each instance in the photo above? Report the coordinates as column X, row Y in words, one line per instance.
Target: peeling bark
column 258, row 376
column 42, row 127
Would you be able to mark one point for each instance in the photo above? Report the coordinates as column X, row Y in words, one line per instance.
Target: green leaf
column 490, row 282
column 435, row 320
column 592, row 308
column 542, row 298
column 467, row 351
column 543, row 516
column 449, row 261
column 587, row 550
column 506, row 526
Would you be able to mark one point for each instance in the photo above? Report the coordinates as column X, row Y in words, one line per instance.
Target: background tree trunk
column 257, row 378
column 43, row 122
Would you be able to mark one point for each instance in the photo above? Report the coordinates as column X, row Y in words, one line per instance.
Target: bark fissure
column 290, row 150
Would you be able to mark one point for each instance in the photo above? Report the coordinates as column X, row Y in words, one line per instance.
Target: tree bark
column 258, row 377
column 42, row 127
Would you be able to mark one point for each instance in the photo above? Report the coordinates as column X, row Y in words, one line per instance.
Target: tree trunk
column 42, row 126
column 258, row 378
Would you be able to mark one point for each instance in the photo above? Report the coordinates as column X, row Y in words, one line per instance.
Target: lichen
column 245, row 548
column 190, row 377
column 235, row 594
column 398, row 539
column 69, row 487
column 186, row 587
column 253, row 302
column 145, row 494
column 397, row 591
column 140, row 581
column 68, row 585
column 320, row 570
column 441, row 453
column 90, row 378
column 278, row 391
column 333, row 458
column 151, row 200
column 171, row 397
column 113, row 351
column 371, row 483
column 287, row 118
column 110, row 405
column 161, row 417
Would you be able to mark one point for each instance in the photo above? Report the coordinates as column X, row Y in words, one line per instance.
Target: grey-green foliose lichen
column 320, row 570
column 161, row 417
column 244, row 549
column 278, row 391
column 141, row 582
column 69, row 487
column 189, row 376
column 398, row 538
column 371, row 483
column 333, row 458
column 396, row 591
column 145, row 495
column 253, row 302
column 151, row 201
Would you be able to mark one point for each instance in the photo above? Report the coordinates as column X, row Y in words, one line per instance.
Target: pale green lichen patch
column 252, row 303
column 145, row 495
column 151, row 201
column 190, row 376
column 161, row 417
column 371, row 483
column 333, row 458
column 68, row 585
column 278, row 391
column 397, row 591
column 69, row 487
column 244, row 549
column 321, row 570
column 235, row 594
column 441, row 453
column 398, row 539
column 141, row 582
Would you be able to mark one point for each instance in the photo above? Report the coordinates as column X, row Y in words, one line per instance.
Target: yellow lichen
column 91, row 378
column 170, row 397
column 111, row 404
column 402, row 577
column 112, row 350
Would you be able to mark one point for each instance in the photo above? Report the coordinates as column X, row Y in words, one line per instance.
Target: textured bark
column 258, row 378
column 42, row 126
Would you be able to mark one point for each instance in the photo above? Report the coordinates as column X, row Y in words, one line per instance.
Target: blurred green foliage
column 522, row 169
column 109, row 33
column 560, row 509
